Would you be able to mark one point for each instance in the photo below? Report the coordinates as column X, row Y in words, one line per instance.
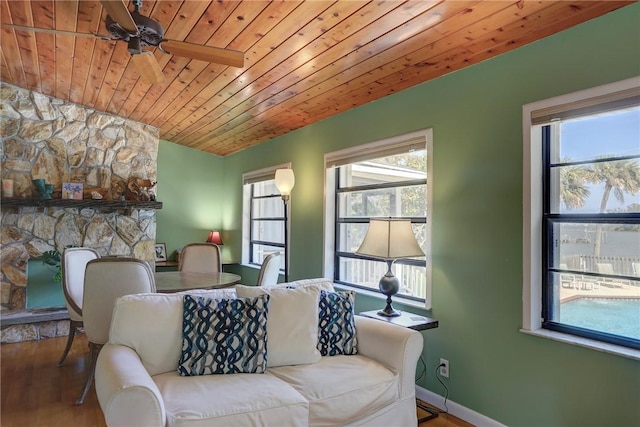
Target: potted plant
column 53, row 259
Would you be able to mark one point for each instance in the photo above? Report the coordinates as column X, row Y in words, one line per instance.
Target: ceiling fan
column 139, row 30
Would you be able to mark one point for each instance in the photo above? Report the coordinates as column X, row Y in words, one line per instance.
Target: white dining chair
column 105, row 280
column 200, row 258
column 73, row 263
column 270, row 270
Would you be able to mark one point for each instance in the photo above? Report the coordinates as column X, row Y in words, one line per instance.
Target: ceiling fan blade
column 148, row 68
column 51, row 31
column 218, row 55
column 117, row 10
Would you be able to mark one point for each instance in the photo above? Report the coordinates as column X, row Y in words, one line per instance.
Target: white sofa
column 138, row 384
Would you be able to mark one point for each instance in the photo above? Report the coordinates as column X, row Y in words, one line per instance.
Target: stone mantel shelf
column 85, row 203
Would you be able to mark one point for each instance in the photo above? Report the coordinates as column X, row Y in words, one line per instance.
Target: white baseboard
column 456, row 409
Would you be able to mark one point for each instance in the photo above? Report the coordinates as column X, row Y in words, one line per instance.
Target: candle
column 7, row 188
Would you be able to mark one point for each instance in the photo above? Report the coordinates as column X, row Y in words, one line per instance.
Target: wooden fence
column 624, row 266
column 413, row 279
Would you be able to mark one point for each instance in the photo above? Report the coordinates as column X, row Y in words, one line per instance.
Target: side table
column 417, row 323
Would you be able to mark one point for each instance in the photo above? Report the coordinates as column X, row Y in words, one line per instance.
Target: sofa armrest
column 126, row 393
column 397, row 347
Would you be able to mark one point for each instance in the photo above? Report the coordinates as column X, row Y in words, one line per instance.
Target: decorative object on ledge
column 44, row 190
column 96, row 193
column 161, row 252
column 72, row 190
column 140, row 189
column 215, row 237
column 86, row 203
column 7, row 188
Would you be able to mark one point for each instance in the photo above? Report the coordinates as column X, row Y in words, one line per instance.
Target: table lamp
column 215, row 237
column 390, row 239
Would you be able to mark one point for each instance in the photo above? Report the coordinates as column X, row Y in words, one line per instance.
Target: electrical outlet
column 444, row 368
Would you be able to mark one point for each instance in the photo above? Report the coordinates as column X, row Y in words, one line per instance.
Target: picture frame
column 161, row 252
column 72, row 190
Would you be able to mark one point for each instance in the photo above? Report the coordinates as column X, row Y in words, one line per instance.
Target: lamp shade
column 390, row 239
column 285, row 180
column 214, row 237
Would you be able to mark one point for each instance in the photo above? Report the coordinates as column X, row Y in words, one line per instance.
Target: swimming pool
column 620, row 316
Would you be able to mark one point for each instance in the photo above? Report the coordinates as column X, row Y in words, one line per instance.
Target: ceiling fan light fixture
column 134, row 45
column 149, row 31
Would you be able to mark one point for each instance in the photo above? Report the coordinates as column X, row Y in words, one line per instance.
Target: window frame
column 248, row 189
column 535, row 262
column 386, row 147
column 550, row 219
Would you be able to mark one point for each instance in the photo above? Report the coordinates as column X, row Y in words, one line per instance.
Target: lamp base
column 389, row 311
column 389, row 286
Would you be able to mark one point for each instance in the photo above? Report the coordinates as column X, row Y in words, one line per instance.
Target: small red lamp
column 214, row 237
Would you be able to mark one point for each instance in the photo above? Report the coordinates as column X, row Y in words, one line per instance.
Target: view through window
column 387, row 182
column 591, row 225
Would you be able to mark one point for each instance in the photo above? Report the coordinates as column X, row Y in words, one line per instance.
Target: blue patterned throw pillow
column 224, row 336
column 336, row 323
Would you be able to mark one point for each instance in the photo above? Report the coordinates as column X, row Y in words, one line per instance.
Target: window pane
column 268, row 208
column 603, row 187
column 265, row 188
column 351, row 236
column 598, row 304
column 590, row 247
column 367, row 274
column 267, row 231
column 615, row 133
column 400, row 201
column 404, row 167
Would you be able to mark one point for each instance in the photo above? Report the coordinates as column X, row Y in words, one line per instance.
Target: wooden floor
column 35, row 392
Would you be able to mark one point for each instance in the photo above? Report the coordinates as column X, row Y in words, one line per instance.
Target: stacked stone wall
column 44, row 137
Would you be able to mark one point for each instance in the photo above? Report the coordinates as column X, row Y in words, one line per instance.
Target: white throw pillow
column 323, row 283
column 292, row 323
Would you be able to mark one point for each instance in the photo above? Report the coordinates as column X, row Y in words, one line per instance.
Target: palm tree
column 573, row 191
column 619, row 177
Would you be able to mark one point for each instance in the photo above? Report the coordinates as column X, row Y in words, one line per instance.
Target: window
column 585, row 215
column 383, row 179
column 263, row 213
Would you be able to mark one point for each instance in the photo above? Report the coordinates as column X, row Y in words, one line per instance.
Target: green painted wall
column 190, row 185
column 476, row 116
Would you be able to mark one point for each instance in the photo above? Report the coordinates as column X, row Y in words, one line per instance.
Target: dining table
column 178, row 281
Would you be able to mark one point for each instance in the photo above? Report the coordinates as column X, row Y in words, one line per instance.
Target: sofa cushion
column 341, row 389
column 292, row 326
column 142, row 310
column 224, row 336
column 230, row 400
column 336, row 324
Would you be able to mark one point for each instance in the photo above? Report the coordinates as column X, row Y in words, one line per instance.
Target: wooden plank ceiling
column 304, row 60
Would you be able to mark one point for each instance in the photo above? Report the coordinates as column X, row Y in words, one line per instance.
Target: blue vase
column 44, row 190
